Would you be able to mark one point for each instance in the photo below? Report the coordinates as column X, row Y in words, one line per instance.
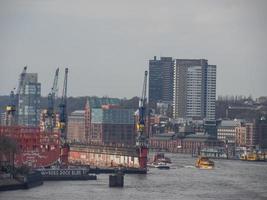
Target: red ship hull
column 34, row 148
column 41, row 149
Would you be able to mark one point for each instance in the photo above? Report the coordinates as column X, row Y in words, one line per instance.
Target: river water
column 229, row 180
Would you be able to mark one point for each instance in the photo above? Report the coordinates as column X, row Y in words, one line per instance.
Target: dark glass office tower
column 160, row 80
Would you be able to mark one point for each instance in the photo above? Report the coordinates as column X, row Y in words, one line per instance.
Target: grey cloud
column 107, row 44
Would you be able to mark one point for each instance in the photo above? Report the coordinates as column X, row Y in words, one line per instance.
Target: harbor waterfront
column 230, row 179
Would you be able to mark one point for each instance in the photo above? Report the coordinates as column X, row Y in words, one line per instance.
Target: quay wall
column 104, row 156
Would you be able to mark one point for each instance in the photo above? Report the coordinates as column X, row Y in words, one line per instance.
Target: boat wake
column 189, row 166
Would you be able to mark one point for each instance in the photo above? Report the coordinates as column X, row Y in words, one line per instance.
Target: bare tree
column 8, row 148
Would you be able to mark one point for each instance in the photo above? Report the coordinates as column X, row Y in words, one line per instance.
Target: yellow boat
column 253, row 156
column 204, row 162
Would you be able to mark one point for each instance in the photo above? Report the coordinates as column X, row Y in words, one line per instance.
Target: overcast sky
column 107, row 44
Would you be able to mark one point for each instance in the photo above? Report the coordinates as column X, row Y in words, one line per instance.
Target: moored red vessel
column 38, row 149
column 35, row 148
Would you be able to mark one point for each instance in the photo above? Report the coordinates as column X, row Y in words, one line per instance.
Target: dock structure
column 105, row 157
column 111, row 170
column 30, row 180
column 117, row 180
column 66, row 174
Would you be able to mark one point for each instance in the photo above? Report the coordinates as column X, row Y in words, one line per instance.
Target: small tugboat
column 162, row 165
column 160, row 161
column 159, row 165
column 204, row 162
column 160, row 157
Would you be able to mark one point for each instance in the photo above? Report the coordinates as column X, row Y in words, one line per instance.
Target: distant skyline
column 107, row 44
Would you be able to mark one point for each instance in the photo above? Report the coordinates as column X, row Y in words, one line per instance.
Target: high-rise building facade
column 29, row 101
column 210, row 92
column 160, row 80
column 194, row 89
column 261, row 132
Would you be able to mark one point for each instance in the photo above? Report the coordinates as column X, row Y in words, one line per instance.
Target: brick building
column 227, row 130
column 110, row 125
column 244, row 134
column 172, row 142
column 241, row 136
column 76, row 126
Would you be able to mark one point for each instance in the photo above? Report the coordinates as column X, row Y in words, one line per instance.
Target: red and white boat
column 160, row 161
column 160, row 157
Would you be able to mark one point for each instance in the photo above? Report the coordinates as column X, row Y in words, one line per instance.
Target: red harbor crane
column 141, row 137
column 141, row 140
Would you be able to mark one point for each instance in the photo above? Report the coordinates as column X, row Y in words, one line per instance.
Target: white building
column 227, row 130
column 194, row 89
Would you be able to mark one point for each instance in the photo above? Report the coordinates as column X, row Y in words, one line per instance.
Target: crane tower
column 11, row 108
column 63, row 107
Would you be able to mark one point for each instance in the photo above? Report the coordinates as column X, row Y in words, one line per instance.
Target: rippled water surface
column 229, row 180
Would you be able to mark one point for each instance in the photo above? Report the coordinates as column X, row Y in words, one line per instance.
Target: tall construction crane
column 51, row 103
column 141, row 137
column 11, row 110
column 21, row 80
column 63, row 107
column 11, row 115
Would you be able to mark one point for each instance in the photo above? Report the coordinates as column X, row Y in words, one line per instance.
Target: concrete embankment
column 10, row 184
column 101, row 170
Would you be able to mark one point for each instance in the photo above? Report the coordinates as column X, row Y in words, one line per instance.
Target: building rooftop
column 229, row 123
column 78, row 112
column 113, row 116
column 97, row 102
